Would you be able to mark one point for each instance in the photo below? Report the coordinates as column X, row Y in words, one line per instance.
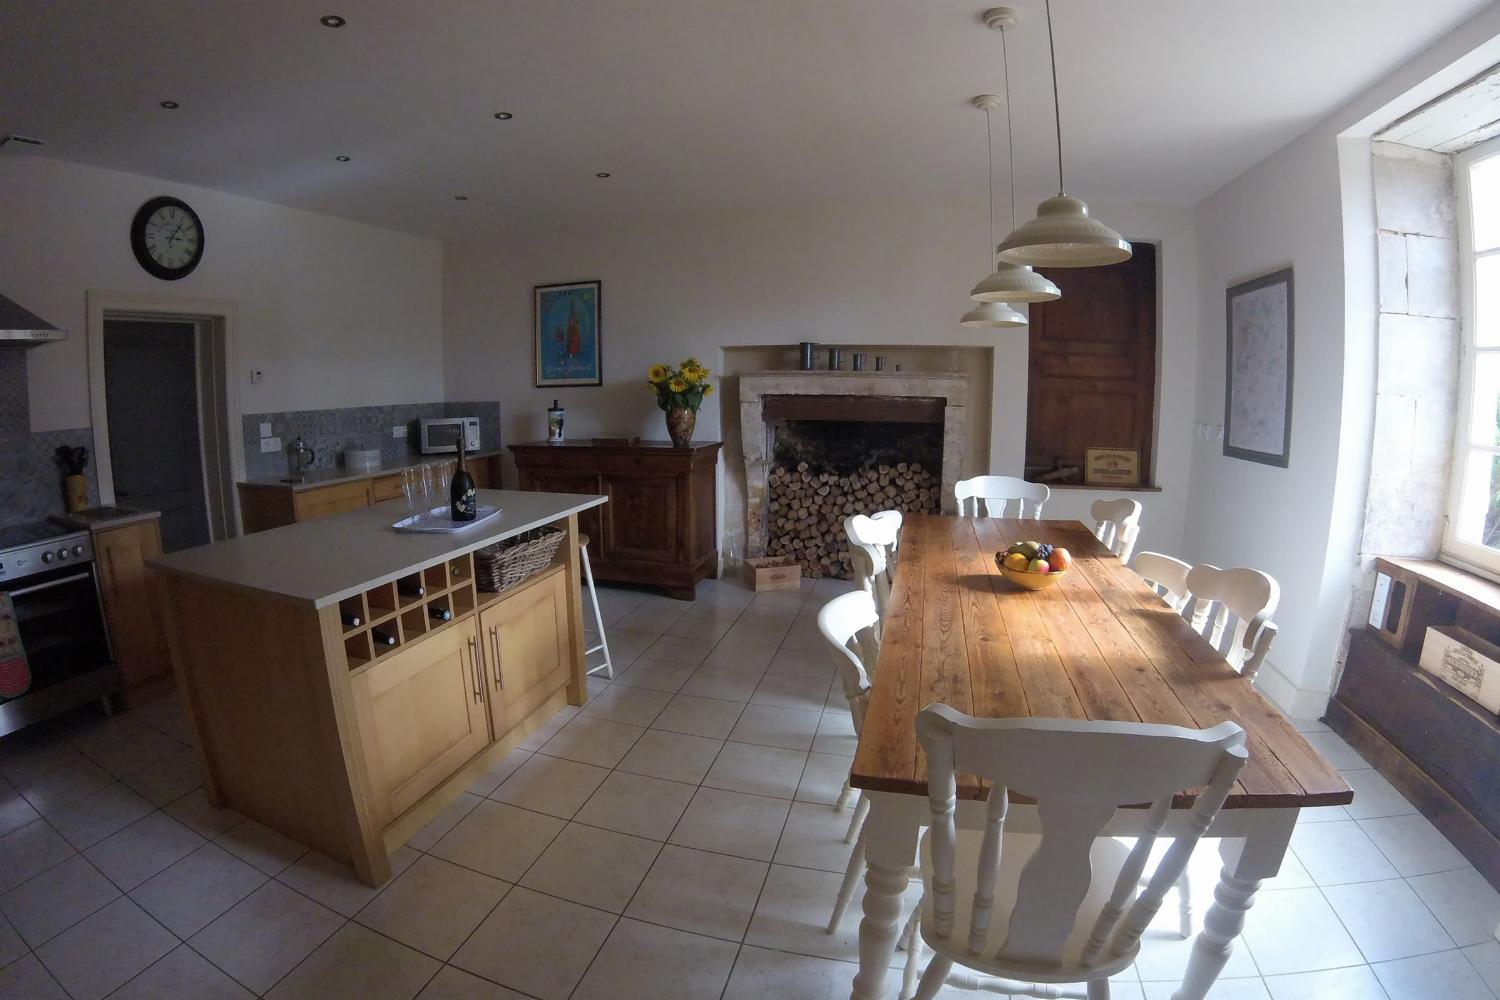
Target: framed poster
column 1258, row 370
column 566, row 322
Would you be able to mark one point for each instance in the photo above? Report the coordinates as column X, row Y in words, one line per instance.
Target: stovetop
column 20, row 535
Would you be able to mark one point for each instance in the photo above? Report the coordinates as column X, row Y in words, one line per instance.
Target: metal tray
column 439, row 520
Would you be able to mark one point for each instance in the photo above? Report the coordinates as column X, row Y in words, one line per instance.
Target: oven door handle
column 48, row 585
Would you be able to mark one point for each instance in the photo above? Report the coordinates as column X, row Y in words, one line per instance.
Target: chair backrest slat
column 1079, row 772
column 1165, row 575
column 1117, row 523
column 872, row 548
column 1244, row 597
column 989, row 496
column 848, row 623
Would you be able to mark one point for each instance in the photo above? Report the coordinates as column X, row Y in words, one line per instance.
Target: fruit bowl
column 1026, row 578
column 1033, row 565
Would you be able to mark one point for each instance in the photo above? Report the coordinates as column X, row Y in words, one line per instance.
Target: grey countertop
column 104, row 518
column 344, row 474
column 326, row 560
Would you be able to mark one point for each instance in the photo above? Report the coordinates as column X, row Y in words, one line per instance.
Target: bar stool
column 607, row 666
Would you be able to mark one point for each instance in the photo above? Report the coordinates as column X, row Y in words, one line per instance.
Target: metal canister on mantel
column 859, row 361
column 835, row 359
column 880, row 362
column 807, row 348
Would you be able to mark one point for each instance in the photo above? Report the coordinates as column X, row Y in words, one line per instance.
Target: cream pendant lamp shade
column 1063, row 234
column 992, row 314
column 1015, row 283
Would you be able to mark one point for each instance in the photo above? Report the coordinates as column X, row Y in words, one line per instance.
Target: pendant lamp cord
column 989, row 138
column 1056, row 107
column 1010, row 145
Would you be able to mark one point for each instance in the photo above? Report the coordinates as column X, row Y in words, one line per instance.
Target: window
column 1473, row 533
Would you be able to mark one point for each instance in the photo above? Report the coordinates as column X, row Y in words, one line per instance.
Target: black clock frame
column 138, row 239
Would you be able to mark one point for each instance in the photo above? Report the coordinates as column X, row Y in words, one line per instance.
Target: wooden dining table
column 1098, row 644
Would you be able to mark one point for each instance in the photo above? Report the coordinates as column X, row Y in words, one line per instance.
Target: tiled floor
column 672, row 839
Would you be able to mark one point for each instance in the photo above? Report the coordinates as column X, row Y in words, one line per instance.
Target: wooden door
column 135, row 628
column 525, row 638
column 1093, row 364
column 643, row 521
column 422, row 715
column 565, row 481
column 326, row 500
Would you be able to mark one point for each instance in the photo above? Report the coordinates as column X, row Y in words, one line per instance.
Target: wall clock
column 167, row 238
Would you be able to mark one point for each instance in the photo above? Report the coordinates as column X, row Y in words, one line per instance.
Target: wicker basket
column 507, row 564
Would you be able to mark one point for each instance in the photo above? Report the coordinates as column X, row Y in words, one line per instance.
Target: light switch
column 270, row 444
column 265, row 428
column 399, row 431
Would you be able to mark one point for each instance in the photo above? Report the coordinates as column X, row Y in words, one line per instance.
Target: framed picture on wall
column 567, row 328
column 1258, row 370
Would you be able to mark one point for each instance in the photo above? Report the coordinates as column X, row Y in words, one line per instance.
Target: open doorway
column 165, row 424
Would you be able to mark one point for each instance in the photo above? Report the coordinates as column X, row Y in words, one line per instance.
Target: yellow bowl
column 1027, row 579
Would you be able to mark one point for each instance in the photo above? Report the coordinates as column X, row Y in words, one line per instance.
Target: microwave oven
column 441, row 435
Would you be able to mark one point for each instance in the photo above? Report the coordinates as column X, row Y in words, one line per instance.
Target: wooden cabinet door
column 643, row 521
column 422, row 716
column 326, row 500
column 526, row 649
column 135, row 628
column 562, row 481
column 386, row 488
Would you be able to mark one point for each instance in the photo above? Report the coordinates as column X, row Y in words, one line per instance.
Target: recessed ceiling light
column 170, row 105
column 342, row 158
column 460, row 197
column 602, row 173
column 331, row 21
column 504, row 116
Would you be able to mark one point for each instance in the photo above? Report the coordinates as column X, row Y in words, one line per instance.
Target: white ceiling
column 690, row 104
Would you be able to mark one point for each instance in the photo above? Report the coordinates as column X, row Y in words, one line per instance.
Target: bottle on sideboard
column 439, row 614
column 382, row 638
column 463, row 502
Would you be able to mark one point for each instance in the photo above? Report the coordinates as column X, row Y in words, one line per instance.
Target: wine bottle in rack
column 408, row 589
column 439, row 614
column 351, row 621
column 463, row 502
column 382, row 638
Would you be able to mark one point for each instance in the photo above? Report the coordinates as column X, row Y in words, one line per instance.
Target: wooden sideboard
column 659, row 525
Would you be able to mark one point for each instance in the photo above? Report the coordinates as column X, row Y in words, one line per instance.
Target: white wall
column 1309, row 206
column 336, row 313
column 870, row 274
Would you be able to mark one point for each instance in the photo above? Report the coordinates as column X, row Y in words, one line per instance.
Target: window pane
column 1487, row 301
column 1484, row 200
column 1479, row 506
column 1485, row 411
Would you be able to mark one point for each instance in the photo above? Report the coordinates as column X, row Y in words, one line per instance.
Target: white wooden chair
column 990, row 496
column 872, row 545
column 882, row 529
column 1250, row 596
column 1062, row 906
column 1165, row 575
column 1117, row 523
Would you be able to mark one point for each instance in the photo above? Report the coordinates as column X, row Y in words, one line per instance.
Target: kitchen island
column 346, row 681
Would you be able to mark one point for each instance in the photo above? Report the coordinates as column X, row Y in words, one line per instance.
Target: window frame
column 1460, row 551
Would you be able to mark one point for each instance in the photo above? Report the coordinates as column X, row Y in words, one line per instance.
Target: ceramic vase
column 680, row 423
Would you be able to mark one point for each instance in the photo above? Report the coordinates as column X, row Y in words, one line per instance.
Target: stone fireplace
column 860, row 441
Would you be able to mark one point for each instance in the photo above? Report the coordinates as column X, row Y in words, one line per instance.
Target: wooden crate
column 773, row 573
column 1465, row 662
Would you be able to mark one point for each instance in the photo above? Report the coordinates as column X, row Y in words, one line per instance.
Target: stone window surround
column 755, row 431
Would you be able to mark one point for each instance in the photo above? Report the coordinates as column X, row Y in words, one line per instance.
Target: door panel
column 422, row 716
column 526, row 650
column 641, row 518
column 562, row 481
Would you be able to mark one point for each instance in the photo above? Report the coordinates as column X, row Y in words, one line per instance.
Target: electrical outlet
column 399, row 431
column 265, row 428
column 257, row 376
column 269, row 444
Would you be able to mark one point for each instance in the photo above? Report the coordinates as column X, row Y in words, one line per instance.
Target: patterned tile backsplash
column 330, row 432
column 30, row 478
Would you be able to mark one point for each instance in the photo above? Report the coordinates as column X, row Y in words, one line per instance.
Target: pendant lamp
column 1063, row 234
column 1009, row 282
column 991, row 314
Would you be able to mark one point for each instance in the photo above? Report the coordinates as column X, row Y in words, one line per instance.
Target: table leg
column 890, row 839
column 1246, row 864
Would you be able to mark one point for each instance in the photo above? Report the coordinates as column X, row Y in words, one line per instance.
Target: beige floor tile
column 697, row 891
column 264, row 936
column 536, row 944
column 1464, row 903
column 760, row 973
column 633, row 706
column 836, row 734
column 741, row 657
column 266, row 849
column 15, row 811
column 746, row 826
column 1374, row 796
column 456, row 984
column 167, row 780
column 1485, row 958
column 792, row 915
column 627, row 644
column 823, row 779
column 1413, row 844
column 499, row 771
column 498, row 839
column 69, row 781
column 184, row 974
column 190, row 894
column 744, row 767
column 1291, row 930
column 593, row 741
column 134, row 751
column 55, row 900
column 680, row 649
column 814, row 838
column 358, row 964
column 814, row 663
column 433, row 906
column 334, row 883
column 11, row 945
column 1354, row 983
column 551, row 785
column 673, row 756
column 142, row 849
column 427, row 837
column 1226, row 988
column 194, row 812
column 29, row 851
column 636, row 804
column 791, row 691
column 598, row 868
column 770, row 726
column 724, row 683
column 1387, row 920
column 655, row 675
column 1447, row 975
column 708, row 717
column 29, row 979
column 86, row 821
column 107, row 950
column 643, row 960
column 1335, row 853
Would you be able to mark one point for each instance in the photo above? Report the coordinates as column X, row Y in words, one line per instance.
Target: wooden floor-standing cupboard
column 659, row 525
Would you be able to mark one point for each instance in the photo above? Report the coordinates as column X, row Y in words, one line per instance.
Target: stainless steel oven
column 49, row 574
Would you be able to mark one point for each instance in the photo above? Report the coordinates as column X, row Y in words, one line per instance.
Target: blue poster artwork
column 567, row 319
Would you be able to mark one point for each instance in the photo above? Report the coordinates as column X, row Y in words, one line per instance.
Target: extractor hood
column 20, row 327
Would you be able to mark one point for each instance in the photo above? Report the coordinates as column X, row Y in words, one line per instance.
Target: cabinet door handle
column 495, row 645
column 474, row 666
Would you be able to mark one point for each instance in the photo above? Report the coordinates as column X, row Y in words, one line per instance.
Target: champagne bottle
column 381, row 638
column 408, row 589
column 463, row 502
column 438, row 614
column 351, row 621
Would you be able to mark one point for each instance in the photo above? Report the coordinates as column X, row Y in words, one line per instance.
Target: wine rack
column 407, row 609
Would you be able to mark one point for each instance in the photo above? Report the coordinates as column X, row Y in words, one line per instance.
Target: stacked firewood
column 808, row 509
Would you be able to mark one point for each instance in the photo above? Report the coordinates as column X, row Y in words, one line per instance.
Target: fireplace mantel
column 755, row 432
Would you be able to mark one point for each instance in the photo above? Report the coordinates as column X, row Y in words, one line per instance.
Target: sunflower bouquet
column 679, row 388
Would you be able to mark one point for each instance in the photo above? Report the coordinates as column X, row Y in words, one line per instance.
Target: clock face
column 167, row 238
